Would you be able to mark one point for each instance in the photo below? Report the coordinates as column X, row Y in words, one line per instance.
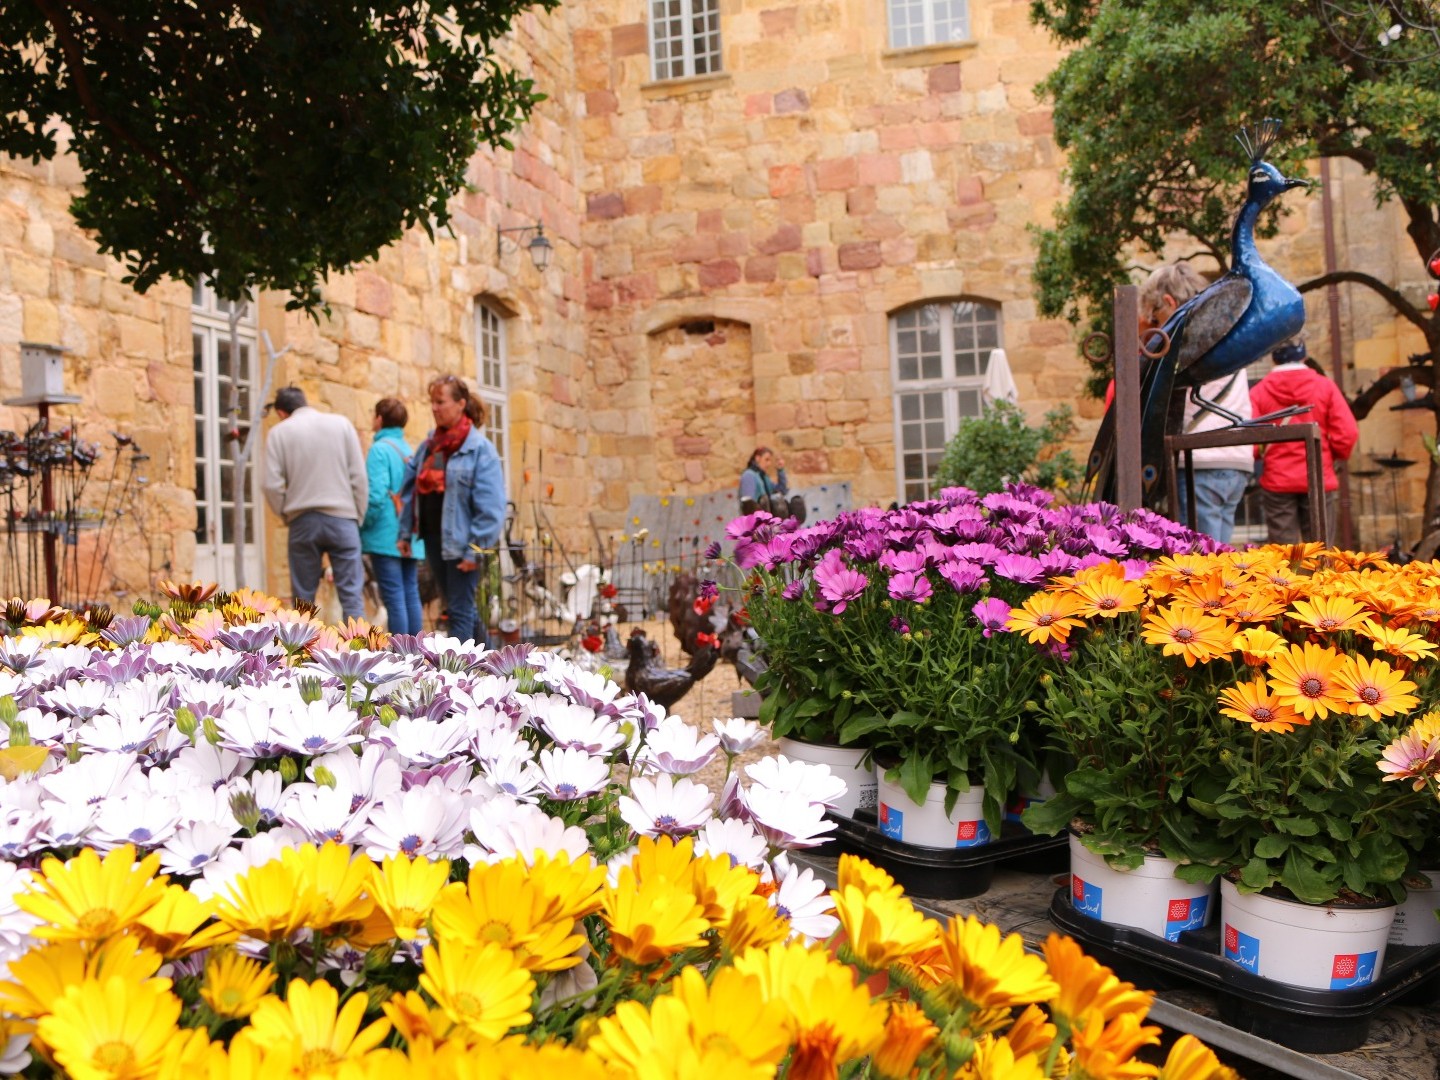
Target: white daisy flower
column 514, row 773
column 264, row 787
column 805, row 900
column 786, row 818
column 220, row 873
column 15, row 925
column 665, row 807
column 67, row 823
column 677, row 748
column 574, row 985
column 143, row 819
column 421, row 821
column 22, row 832
column 133, row 734
column 316, row 727
column 574, row 725
column 49, row 728
column 572, row 774
column 493, row 733
column 738, row 735
column 813, row 781
column 365, row 779
column 323, row 813
column 420, row 741
column 245, row 727
column 735, row 839
column 193, row 847
column 94, row 777
column 80, row 698
column 505, row 831
column 201, row 765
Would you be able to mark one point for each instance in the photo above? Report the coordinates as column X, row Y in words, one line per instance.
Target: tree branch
column 75, row 64
column 1393, row 296
column 1362, row 403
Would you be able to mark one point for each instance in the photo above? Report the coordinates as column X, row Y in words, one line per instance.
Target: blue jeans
column 313, row 534
column 1217, row 496
column 457, row 590
column 399, row 592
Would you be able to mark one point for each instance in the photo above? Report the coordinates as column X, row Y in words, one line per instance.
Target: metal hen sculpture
column 1240, row 318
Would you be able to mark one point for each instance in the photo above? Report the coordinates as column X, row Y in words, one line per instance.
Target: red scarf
column 443, row 443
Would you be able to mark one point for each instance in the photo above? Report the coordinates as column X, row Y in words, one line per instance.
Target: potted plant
column 886, row 630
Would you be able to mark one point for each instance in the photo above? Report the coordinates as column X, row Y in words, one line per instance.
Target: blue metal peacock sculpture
column 1241, row 317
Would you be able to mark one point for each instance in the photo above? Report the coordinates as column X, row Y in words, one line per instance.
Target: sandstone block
column 719, row 273
column 609, row 205
column 632, row 39
column 837, row 174
column 786, row 180
column 791, row 101
column 860, row 256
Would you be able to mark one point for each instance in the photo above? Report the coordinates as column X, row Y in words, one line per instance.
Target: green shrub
column 998, row 446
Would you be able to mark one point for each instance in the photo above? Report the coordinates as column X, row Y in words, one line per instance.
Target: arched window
column 938, row 358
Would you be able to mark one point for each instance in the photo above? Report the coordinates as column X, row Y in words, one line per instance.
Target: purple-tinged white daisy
column 422, row 742
column 504, row 832
column 665, row 807
column 80, row 699
column 67, row 824
column 677, row 748
column 514, row 773
column 738, row 735
column 575, row 726
column 143, row 819
column 735, row 839
column 422, row 821
column 566, row 774
column 315, row 727
column 133, row 735
column 805, row 900
column 373, row 775
column 191, row 848
column 222, row 872
column 245, row 727
column 574, row 985
column 812, row 781
column 786, row 818
column 324, row 813
column 15, row 925
column 94, row 777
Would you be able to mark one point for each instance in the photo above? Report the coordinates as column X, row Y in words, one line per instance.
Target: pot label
column 1352, row 969
column 1242, row 949
column 971, row 833
column 892, row 822
column 1086, row 897
column 869, row 795
column 1186, row 914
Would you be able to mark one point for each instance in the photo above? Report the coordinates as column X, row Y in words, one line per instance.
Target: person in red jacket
column 1283, row 488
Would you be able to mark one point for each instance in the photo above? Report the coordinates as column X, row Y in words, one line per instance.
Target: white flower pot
column 902, row 818
column 846, row 762
column 1415, row 921
column 1149, row 898
column 1020, row 803
column 1317, row 946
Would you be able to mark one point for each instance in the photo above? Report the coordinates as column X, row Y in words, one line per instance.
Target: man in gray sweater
column 315, row 480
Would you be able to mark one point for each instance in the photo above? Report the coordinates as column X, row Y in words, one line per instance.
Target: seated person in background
column 759, row 492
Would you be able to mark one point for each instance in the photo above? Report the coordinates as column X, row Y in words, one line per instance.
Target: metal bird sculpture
column 1244, row 315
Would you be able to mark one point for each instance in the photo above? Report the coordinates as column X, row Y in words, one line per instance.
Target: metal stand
column 1176, row 445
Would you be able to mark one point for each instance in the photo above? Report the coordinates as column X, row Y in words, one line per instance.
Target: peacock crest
column 1258, row 141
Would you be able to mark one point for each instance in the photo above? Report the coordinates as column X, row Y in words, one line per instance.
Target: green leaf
column 1271, row 847
column 858, row 726
column 916, row 774
column 1052, row 816
column 1296, row 826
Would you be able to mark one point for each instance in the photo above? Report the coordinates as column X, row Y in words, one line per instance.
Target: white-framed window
column 224, row 382
column 684, row 38
column 939, row 354
column 928, row 22
column 491, row 385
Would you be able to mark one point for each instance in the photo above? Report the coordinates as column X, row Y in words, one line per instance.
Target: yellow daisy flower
column 336, row 879
column 1174, row 570
column 652, row 920
column 1374, row 689
column 501, row 903
column 1304, row 677
column 1087, row 985
column 1032, row 1033
column 1258, row 645
column 190, row 1054
column 513, row 1059
column 864, row 875
column 115, row 1028
column 268, row 902
column 88, row 899
column 173, row 926
column 569, row 888
column 1251, row 703
column 405, row 889
column 41, row 976
column 753, row 924
column 61, row 631
column 1252, row 606
column 482, row 988
column 731, row 1014
column 996, row 1059
column 312, row 1025
column 235, row 984
column 421, row 1023
column 908, row 1032
column 1397, row 641
column 659, row 1044
column 881, row 929
column 1190, row 1059
column 1189, row 633
column 989, row 971
column 1045, row 617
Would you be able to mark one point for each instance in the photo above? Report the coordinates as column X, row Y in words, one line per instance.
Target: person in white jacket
column 1221, row 472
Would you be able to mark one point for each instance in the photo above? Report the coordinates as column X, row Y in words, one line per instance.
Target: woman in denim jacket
column 454, row 493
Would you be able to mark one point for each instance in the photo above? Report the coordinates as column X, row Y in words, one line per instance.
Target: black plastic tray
column 943, row 873
column 1311, row 1021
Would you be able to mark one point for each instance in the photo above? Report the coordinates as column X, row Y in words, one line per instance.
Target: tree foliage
column 999, row 447
column 1146, row 108
column 262, row 144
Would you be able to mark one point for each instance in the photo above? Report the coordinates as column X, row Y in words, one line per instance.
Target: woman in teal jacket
column 395, row 573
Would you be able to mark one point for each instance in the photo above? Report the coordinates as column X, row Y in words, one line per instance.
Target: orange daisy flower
column 1045, row 617
column 1188, row 632
column 1259, row 645
column 1396, row 640
column 1106, row 594
column 1304, row 677
column 1255, row 606
column 1329, row 614
column 1374, row 688
column 1251, row 703
column 1174, row 570
column 1208, row 593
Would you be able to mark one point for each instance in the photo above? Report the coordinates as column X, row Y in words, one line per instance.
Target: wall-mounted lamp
column 539, row 246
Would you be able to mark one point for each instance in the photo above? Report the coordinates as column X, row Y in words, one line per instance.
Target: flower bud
column 527, row 683
column 19, row 732
column 387, row 715
column 378, row 959
column 185, row 723
column 283, row 955
column 72, row 753
column 9, row 711
column 246, row 810
column 310, row 688
column 289, row 771
column 323, row 776
column 211, row 730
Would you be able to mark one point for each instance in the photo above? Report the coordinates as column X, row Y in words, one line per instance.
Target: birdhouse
column 42, row 370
